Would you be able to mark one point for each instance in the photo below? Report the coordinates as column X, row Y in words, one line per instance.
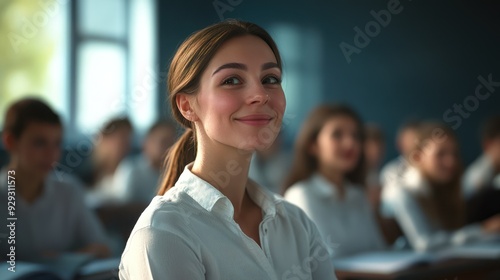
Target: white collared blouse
column 190, row 233
column 349, row 223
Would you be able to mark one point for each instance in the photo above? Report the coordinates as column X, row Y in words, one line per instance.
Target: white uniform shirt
column 479, row 174
column 56, row 222
column 419, row 230
column 190, row 233
column 137, row 180
column 349, row 223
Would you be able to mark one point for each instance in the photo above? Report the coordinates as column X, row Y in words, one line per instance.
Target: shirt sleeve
column 419, row 231
column 155, row 254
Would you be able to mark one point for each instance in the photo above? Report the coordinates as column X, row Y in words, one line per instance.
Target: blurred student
column 374, row 149
column 405, row 141
column 112, row 145
column 51, row 215
column 427, row 201
column 269, row 167
column 139, row 176
column 327, row 180
column 484, row 172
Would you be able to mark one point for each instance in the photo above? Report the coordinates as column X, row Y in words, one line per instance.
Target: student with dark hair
column 427, row 201
column 210, row 221
column 484, row 172
column 51, row 215
column 327, row 180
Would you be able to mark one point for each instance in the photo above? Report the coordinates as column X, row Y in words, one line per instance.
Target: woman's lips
column 255, row 120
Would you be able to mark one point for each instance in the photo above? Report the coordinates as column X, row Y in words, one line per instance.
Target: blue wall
column 426, row 59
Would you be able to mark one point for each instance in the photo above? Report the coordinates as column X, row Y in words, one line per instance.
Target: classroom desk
column 455, row 269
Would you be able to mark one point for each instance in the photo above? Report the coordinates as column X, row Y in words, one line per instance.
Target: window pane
column 33, row 53
column 101, row 84
column 105, row 18
column 144, row 75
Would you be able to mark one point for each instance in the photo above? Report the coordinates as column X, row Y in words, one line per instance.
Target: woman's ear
column 185, row 106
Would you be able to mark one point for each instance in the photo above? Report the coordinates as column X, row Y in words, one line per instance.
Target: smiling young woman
column 210, row 221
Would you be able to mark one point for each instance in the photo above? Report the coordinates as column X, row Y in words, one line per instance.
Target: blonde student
column 210, row 221
column 51, row 215
column 427, row 201
column 327, row 177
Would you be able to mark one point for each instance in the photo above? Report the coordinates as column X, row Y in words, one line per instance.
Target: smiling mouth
column 256, row 120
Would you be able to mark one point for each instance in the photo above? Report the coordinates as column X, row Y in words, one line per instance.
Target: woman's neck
column 28, row 186
column 226, row 169
column 337, row 179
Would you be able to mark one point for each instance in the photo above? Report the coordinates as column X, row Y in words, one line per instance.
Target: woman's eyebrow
column 270, row 65
column 241, row 66
column 233, row 65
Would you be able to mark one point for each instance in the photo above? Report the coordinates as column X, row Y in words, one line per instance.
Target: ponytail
column 180, row 154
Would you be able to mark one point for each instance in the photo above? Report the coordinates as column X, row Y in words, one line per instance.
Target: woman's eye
column 271, row 80
column 231, row 81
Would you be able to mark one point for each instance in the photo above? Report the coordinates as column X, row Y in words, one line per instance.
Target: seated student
column 427, row 202
column 210, row 221
column 327, row 177
column 269, row 167
column 405, row 140
column 139, row 176
column 111, row 147
column 485, row 171
column 51, row 215
column 374, row 149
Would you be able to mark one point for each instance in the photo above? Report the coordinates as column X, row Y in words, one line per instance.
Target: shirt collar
column 414, row 181
column 325, row 188
column 212, row 200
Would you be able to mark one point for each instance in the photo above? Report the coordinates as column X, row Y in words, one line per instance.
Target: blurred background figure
column 270, row 167
column 484, row 172
column 427, row 201
column 327, row 180
column 374, row 150
column 52, row 218
column 112, row 145
column 405, row 141
column 138, row 176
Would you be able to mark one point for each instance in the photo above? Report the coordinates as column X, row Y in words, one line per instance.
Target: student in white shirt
column 139, row 176
column 51, row 217
column 427, row 201
column 405, row 141
column 112, row 145
column 327, row 177
column 210, row 221
column 485, row 171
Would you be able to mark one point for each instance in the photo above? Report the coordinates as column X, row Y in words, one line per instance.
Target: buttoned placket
column 260, row 253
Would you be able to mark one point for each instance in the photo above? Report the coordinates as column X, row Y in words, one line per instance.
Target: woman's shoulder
column 300, row 188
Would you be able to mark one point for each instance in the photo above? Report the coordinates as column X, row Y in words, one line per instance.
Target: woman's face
column 338, row 146
column 38, row 148
column 240, row 102
column 439, row 160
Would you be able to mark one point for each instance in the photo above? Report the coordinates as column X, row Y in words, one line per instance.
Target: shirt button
column 265, row 230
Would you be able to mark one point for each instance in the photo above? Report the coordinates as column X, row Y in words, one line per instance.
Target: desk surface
column 456, row 269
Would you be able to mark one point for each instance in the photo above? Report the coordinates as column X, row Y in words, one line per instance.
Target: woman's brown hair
column 186, row 69
column 305, row 164
column 443, row 204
